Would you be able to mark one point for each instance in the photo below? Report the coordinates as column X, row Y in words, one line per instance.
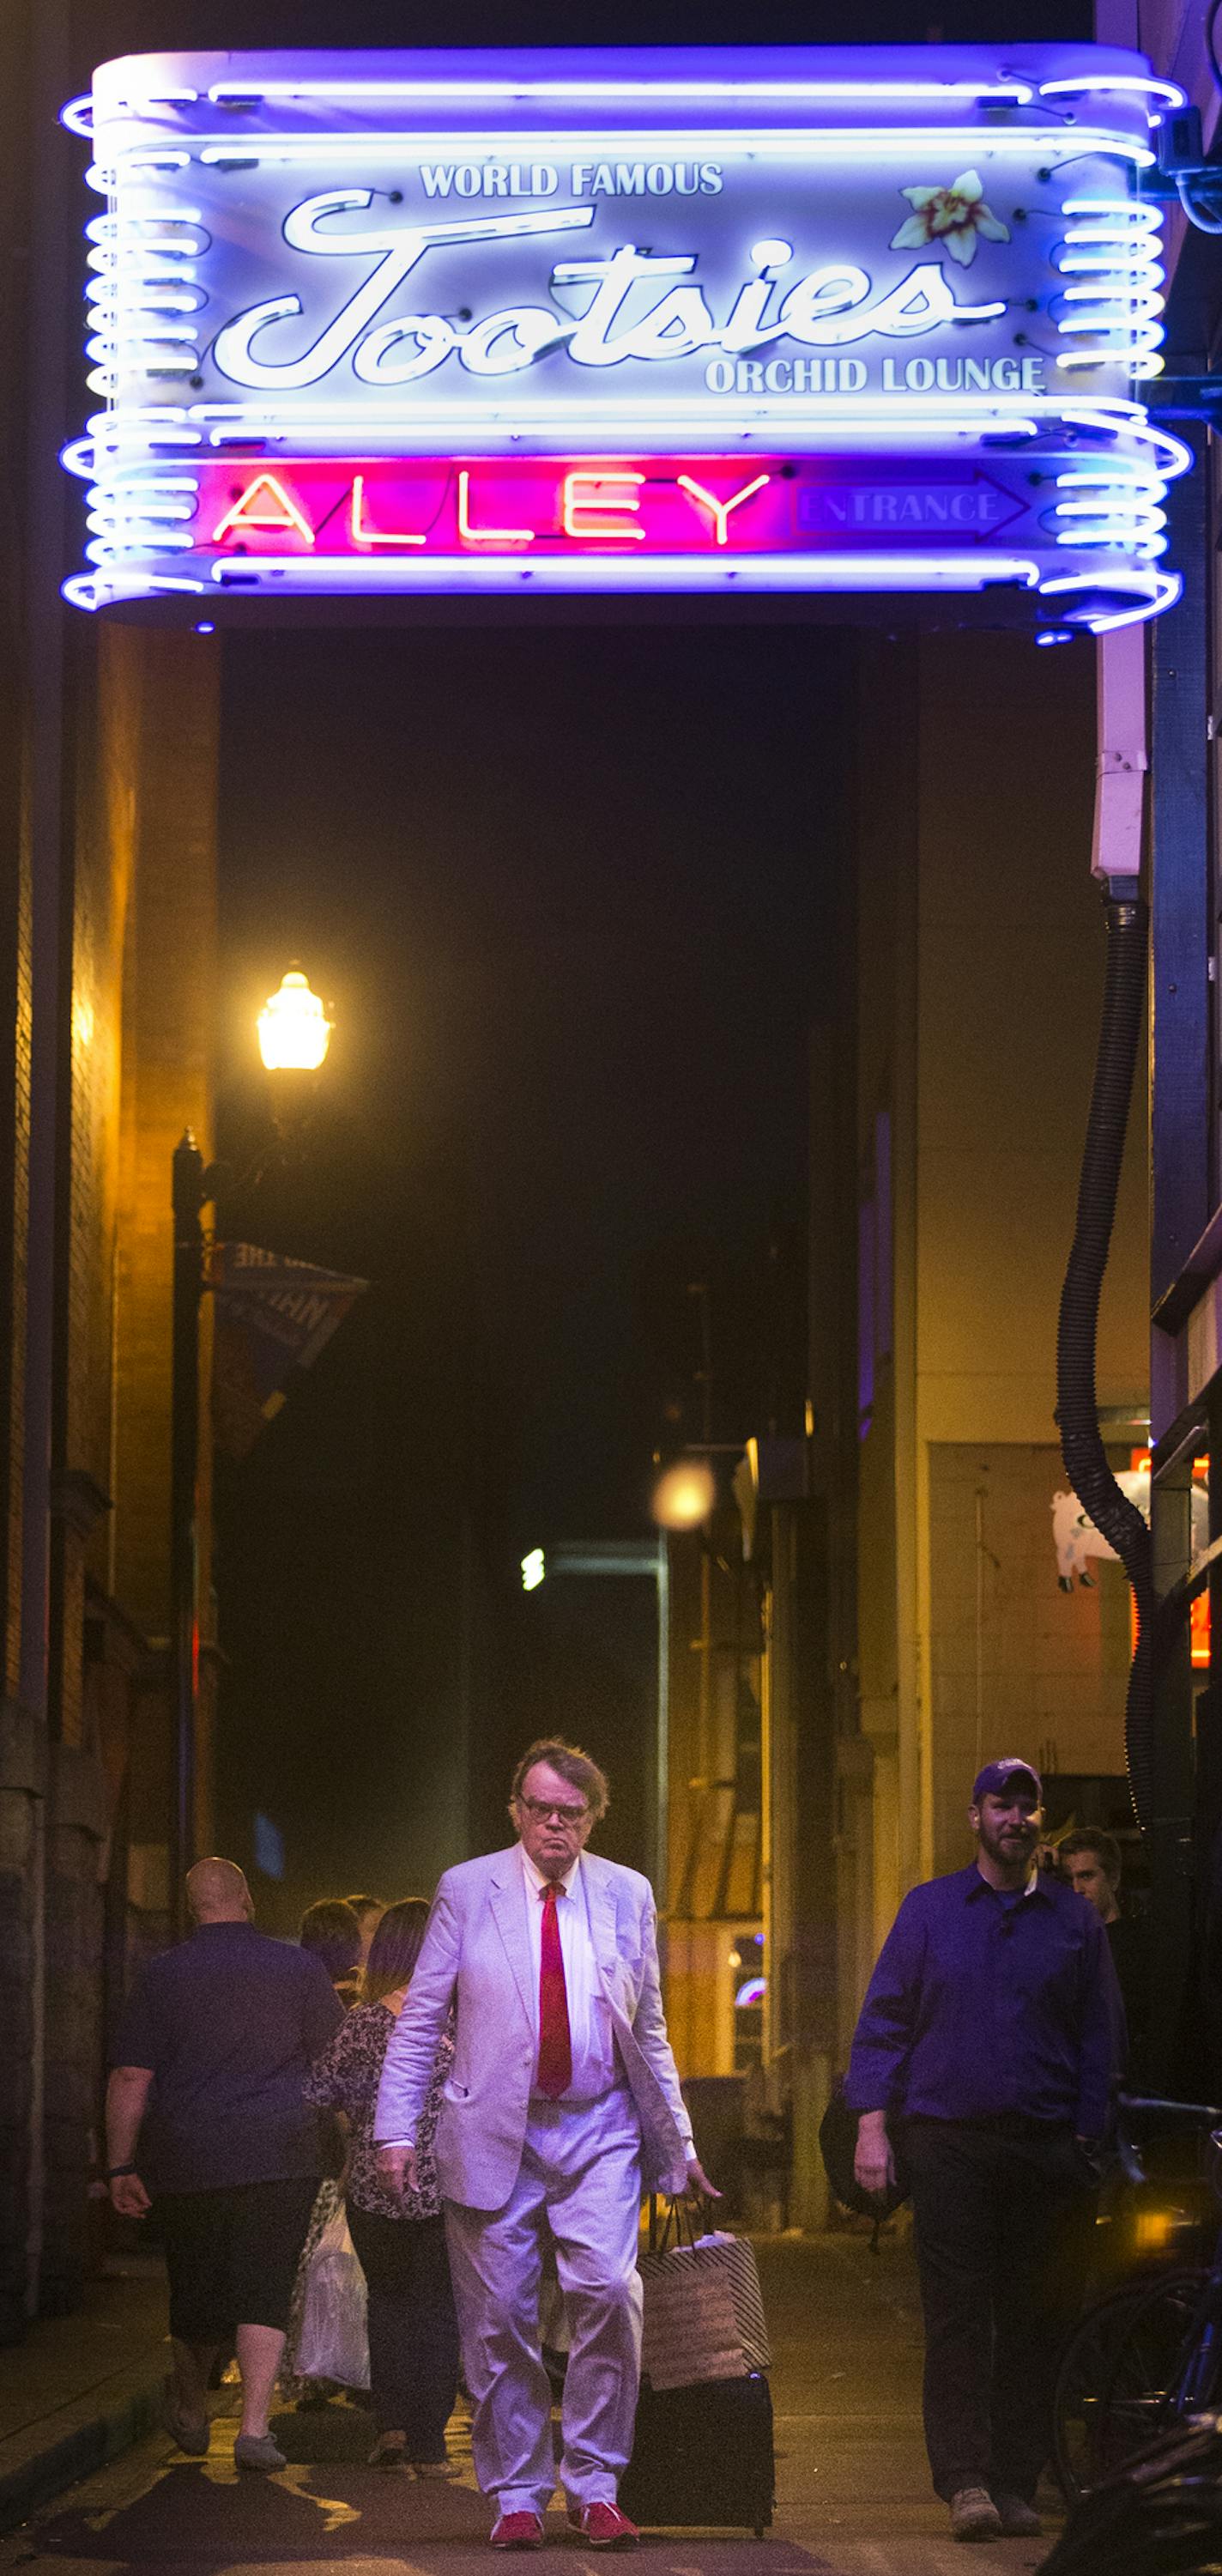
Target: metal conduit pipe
column 1117, row 856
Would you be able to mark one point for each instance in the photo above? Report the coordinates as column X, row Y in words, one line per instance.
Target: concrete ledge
column 40, row 2462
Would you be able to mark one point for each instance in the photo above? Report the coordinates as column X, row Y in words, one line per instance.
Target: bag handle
column 679, row 2222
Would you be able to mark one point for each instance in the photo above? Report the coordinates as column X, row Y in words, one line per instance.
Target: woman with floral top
column 399, row 2236
column 332, row 1931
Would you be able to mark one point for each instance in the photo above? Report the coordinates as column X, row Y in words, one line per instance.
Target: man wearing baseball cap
column 989, row 2046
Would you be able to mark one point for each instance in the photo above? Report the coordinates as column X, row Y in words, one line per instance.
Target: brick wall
column 20, row 1750
column 19, row 1182
column 133, row 1033
column 161, row 693
column 15, row 128
column 20, row 1747
column 20, row 1777
column 161, row 696
column 138, row 1048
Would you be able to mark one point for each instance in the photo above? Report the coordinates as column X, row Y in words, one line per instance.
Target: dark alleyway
column 853, row 2496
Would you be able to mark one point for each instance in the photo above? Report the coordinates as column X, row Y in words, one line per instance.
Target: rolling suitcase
column 702, row 2455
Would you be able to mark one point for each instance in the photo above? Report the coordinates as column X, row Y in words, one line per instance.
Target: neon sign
column 636, row 309
column 472, row 297
column 932, row 522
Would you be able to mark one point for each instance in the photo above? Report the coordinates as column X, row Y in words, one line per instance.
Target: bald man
column 206, row 2119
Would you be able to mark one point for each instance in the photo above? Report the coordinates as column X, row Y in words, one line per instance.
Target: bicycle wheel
column 1082, row 2373
column 1113, row 2392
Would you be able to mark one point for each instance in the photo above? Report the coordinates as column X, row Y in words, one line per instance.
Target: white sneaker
column 258, row 2451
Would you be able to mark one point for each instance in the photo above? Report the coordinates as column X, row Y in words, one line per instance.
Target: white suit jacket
column 476, row 1958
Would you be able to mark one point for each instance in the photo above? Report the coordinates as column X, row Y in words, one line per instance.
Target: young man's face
column 1007, row 1827
column 1086, row 1872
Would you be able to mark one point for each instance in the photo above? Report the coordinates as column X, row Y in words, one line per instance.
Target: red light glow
column 1198, row 1607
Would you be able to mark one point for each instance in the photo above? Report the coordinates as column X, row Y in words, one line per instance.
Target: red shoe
column 603, row 2526
column 518, row 2531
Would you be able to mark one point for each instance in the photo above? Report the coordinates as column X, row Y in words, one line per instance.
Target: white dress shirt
column 594, row 2067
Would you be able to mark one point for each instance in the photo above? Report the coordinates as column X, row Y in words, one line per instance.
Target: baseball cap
column 998, row 1778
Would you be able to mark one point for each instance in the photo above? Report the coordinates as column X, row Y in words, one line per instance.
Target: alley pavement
column 853, row 2495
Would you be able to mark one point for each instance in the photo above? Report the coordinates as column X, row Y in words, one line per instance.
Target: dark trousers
column 232, row 2255
column 413, row 2331
column 1002, row 2215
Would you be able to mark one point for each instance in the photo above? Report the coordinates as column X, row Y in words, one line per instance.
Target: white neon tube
column 1082, row 144
column 617, row 572
column 1105, row 415
column 1148, row 218
column 1103, row 84
column 89, row 591
column 1152, row 592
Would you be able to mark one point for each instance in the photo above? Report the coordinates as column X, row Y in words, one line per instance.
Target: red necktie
column 555, row 2073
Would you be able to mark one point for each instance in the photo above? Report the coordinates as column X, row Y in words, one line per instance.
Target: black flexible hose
column 1077, row 1406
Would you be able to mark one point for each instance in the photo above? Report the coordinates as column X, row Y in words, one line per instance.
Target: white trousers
column 579, row 2183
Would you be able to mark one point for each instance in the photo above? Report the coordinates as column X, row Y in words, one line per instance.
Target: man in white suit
column 562, row 2104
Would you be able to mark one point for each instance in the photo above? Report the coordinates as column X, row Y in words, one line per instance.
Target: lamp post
column 684, row 1498
column 294, row 1034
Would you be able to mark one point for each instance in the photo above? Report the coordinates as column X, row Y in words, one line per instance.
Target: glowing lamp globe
column 684, row 1496
column 294, row 1031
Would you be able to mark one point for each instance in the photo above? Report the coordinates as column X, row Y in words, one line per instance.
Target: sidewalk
column 852, row 2477
column 853, row 2496
column 81, row 2389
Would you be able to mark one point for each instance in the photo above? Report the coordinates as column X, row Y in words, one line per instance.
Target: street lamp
column 294, row 1031
column 684, row 1495
column 294, row 1034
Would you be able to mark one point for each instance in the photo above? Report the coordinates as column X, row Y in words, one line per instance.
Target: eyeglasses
column 542, row 1808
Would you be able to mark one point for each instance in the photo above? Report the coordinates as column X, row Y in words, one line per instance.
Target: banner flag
column 272, row 1318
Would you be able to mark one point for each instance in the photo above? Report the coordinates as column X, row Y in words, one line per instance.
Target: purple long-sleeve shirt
column 985, row 2002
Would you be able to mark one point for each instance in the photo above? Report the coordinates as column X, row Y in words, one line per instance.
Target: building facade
column 107, row 949
column 918, row 1618
column 1186, row 1095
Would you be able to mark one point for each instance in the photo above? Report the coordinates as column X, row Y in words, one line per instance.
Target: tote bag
column 703, row 2312
column 334, row 2338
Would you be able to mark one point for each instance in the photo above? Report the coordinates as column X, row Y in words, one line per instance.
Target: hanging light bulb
column 294, row 1031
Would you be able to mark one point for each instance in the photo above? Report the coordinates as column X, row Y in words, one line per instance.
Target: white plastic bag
column 334, row 2338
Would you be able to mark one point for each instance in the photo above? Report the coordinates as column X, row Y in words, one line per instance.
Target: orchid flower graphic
column 953, row 216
